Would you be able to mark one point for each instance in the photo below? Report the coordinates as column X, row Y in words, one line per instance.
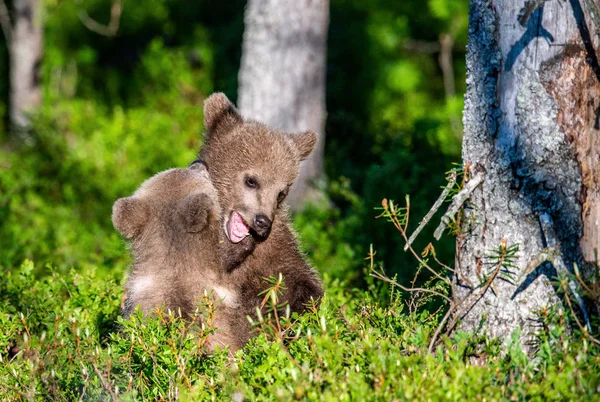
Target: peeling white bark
column 282, row 76
column 514, row 134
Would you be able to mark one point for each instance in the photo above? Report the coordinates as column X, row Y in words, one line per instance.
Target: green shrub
column 56, row 193
column 323, row 234
column 59, row 340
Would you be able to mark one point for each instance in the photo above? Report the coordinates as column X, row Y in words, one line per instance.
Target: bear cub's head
column 167, row 210
column 251, row 166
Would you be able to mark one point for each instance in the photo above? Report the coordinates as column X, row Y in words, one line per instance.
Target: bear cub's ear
column 201, row 168
column 304, row 143
column 129, row 216
column 194, row 212
column 219, row 114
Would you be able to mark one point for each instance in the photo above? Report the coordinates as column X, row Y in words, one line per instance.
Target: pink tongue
column 237, row 228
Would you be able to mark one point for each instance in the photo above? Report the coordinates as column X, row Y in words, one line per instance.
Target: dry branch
column 105, row 383
column 105, row 30
column 439, row 329
column 433, row 210
column 384, row 278
column 457, row 201
column 587, row 329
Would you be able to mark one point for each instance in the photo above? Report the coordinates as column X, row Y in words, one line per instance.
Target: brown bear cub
column 173, row 224
column 252, row 168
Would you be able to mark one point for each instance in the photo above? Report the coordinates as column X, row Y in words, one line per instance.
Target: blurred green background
column 118, row 109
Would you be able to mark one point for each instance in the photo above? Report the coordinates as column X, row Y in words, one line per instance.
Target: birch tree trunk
column 25, row 53
column 282, row 76
column 531, row 128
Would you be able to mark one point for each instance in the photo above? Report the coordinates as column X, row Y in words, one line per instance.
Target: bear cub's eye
column 280, row 197
column 251, row 182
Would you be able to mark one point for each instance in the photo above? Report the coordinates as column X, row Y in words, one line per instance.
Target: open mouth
column 235, row 228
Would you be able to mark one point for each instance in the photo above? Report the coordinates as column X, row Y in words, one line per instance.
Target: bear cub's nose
column 262, row 225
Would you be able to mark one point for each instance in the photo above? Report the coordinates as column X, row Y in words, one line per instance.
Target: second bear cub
column 172, row 224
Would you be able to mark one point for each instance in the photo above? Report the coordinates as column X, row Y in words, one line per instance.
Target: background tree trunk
column 25, row 53
column 282, row 76
column 531, row 127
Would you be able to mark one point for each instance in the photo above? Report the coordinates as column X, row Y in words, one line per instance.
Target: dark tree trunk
column 282, row 76
column 531, row 129
column 25, row 52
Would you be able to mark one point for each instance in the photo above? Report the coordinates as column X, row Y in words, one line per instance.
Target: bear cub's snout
column 262, row 225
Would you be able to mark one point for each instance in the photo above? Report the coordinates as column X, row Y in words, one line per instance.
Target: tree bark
column 25, row 53
column 282, row 76
column 531, row 128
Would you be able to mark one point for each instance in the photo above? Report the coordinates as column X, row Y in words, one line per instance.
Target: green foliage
column 392, row 129
column 388, row 132
column 324, row 234
column 67, row 345
column 106, row 68
column 119, row 109
column 401, row 172
column 351, row 347
column 56, row 193
column 115, row 112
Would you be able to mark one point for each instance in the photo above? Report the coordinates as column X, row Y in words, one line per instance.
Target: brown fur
column 235, row 150
column 173, row 222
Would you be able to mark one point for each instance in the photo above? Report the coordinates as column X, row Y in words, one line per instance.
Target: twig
column 457, row 201
column 85, row 383
column 391, row 209
column 586, row 330
column 293, row 360
column 480, row 294
column 440, row 308
column 179, row 362
column 581, row 282
column 448, row 268
column 6, row 24
column 555, row 258
column 430, row 250
column 439, row 329
column 581, row 303
column 384, row 278
column 413, row 303
column 105, row 384
column 433, row 210
column 545, row 255
column 105, row 30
